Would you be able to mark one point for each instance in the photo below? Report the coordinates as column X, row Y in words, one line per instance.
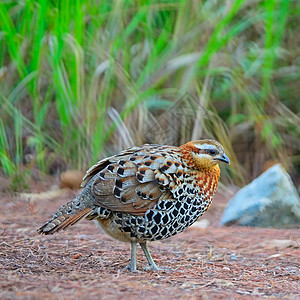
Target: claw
column 156, row 268
column 130, row 268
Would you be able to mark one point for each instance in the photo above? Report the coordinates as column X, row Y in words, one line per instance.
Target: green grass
column 84, row 79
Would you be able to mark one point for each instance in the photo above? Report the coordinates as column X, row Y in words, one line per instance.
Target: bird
column 146, row 193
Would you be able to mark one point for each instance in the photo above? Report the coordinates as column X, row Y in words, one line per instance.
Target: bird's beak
column 224, row 158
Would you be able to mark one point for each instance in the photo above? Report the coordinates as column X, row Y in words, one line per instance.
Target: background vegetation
column 83, row 79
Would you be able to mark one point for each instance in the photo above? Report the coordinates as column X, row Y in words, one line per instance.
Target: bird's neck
column 208, row 179
column 213, row 171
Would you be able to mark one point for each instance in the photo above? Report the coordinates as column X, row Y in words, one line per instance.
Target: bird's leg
column 152, row 265
column 132, row 264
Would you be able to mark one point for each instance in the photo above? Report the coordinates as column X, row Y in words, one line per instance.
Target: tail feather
column 63, row 221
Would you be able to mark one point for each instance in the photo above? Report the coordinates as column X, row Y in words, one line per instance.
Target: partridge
column 146, row 193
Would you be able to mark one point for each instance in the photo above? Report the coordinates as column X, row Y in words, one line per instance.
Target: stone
column 271, row 200
column 71, row 179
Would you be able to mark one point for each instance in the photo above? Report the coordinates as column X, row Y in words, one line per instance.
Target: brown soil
column 83, row 263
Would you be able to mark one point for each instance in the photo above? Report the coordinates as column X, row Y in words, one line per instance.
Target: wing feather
column 133, row 181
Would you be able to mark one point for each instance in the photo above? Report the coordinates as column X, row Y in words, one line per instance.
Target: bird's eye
column 211, row 152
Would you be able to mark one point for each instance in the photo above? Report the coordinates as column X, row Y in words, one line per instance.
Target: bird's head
column 205, row 153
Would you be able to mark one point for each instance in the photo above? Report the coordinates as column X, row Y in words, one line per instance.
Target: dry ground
column 83, row 263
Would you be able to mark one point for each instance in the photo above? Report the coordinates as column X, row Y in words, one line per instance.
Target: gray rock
column 271, row 200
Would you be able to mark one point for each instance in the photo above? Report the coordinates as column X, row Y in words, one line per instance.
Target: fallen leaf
column 76, row 256
column 281, row 244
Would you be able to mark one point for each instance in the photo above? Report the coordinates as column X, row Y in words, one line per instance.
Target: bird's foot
column 131, row 268
column 156, row 268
